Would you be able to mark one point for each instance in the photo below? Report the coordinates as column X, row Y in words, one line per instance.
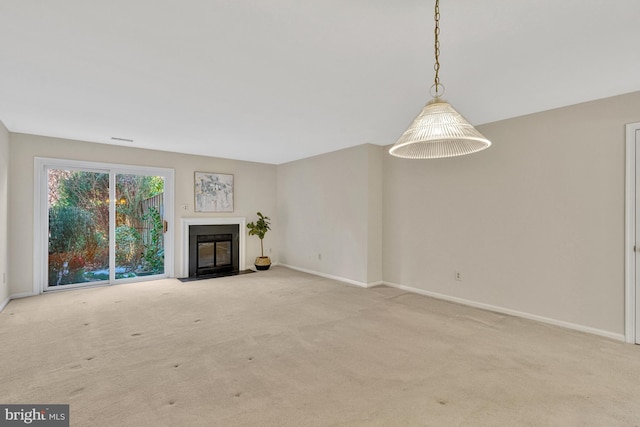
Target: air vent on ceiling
column 121, row 139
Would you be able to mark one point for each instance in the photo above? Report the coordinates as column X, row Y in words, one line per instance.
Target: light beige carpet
column 283, row 348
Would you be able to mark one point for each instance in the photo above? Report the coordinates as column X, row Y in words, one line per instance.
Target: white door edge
column 631, row 329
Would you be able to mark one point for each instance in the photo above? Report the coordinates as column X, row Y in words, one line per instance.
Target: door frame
column 41, row 214
column 631, row 285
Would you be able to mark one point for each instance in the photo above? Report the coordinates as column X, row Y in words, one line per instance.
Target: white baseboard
column 489, row 307
column 23, row 295
column 470, row 303
column 330, row 276
column 15, row 296
column 4, row 304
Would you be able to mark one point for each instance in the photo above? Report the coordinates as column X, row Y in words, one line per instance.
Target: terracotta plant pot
column 263, row 263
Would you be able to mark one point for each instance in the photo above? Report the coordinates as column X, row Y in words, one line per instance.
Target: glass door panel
column 78, row 234
column 139, row 226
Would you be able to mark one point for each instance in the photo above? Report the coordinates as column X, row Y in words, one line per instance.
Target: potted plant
column 260, row 228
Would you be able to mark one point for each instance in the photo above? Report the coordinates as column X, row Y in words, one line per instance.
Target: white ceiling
column 279, row 80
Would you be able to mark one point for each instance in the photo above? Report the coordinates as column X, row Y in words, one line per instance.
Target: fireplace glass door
column 213, row 253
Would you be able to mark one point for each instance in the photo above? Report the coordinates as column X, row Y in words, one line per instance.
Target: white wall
column 4, row 202
column 535, row 224
column 254, row 183
column 329, row 212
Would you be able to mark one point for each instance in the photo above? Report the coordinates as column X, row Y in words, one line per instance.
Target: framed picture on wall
column 214, row 192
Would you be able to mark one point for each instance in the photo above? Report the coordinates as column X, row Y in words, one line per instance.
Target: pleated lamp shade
column 439, row 131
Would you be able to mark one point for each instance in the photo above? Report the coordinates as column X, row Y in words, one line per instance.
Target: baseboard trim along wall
column 330, row 276
column 489, row 307
column 470, row 303
column 23, row 295
column 15, row 296
column 4, row 304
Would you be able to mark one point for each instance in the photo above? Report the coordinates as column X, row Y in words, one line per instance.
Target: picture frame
column 213, row 192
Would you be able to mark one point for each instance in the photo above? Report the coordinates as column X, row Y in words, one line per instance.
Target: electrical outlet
column 458, row 276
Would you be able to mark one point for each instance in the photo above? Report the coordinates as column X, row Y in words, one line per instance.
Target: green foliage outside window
column 154, row 251
column 79, row 226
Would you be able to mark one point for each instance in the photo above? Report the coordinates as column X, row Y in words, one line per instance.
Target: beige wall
column 4, row 202
column 255, row 190
column 535, row 224
column 329, row 212
column 375, row 155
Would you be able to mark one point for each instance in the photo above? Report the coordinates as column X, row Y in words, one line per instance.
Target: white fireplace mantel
column 186, row 222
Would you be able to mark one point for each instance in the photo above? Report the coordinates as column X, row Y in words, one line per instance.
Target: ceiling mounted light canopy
column 439, row 130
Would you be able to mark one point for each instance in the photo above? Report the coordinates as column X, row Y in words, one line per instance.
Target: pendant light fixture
column 439, row 130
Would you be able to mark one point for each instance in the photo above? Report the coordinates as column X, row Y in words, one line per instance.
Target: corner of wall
column 4, row 202
column 324, row 209
column 374, row 209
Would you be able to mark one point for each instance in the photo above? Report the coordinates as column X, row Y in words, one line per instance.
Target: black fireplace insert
column 213, row 249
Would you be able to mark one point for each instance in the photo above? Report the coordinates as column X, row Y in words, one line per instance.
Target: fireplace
column 213, row 253
column 213, row 249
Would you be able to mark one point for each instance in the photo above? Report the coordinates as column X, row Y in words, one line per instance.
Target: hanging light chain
column 439, row 130
column 436, row 66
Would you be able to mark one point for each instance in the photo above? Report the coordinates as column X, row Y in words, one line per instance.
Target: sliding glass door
column 78, row 232
column 101, row 223
column 139, row 226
